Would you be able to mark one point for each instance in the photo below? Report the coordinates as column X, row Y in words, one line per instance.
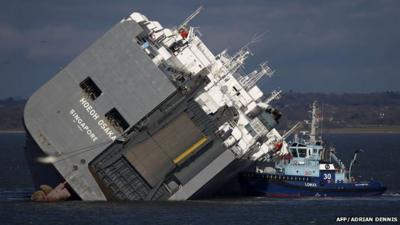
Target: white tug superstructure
column 204, row 117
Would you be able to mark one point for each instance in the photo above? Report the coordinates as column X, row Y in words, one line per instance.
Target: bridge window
column 90, row 88
column 302, row 152
column 294, row 152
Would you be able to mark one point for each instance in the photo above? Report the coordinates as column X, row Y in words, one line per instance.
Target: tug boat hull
column 272, row 185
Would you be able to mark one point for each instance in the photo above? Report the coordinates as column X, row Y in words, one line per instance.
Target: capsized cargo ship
column 148, row 113
column 309, row 170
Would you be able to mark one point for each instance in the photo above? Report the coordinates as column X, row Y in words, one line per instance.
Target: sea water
column 378, row 160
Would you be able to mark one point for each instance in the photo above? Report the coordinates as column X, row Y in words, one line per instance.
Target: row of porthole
column 282, row 177
column 290, row 178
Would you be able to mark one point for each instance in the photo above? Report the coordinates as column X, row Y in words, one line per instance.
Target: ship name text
column 83, row 126
column 310, row 184
column 95, row 116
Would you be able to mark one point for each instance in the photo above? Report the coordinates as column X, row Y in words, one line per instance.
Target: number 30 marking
column 327, row 176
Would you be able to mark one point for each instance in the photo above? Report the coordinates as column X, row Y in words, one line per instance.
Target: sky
column 314, row 46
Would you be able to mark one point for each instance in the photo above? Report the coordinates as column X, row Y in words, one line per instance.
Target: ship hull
column 135, row 117
column 259, row 185
column 225, row 183
column 41, row 173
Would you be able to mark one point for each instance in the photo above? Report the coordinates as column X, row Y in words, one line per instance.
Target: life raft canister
column 184, row 34
column 278, row 145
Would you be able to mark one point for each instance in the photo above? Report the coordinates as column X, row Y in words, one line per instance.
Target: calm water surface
column 380, row 160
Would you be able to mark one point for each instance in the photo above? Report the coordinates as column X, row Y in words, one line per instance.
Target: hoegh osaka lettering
column 89, row 109
column 95, row 116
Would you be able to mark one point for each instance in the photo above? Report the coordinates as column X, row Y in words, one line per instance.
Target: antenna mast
column 191, row 17
column 274, row 95
column 251, row 79
column 236, row 61
column 294, row 129
column 313, row 123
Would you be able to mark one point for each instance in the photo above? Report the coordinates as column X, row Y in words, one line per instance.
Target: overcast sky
column 328, row 46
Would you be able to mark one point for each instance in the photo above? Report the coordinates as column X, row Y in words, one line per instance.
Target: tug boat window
column 302, row 152
column 294, row 152
column 309, row 151
column 117, row 120
column 90, row 88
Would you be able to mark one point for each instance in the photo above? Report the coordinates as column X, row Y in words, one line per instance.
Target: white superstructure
column 227, row 87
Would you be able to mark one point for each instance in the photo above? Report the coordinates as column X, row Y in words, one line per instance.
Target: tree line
column 338, row 110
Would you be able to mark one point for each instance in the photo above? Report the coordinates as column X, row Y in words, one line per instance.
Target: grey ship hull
column 225, row 183
column 121, row 130
column 41, row 173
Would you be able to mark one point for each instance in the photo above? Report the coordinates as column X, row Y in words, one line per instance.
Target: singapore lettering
column 82, row 125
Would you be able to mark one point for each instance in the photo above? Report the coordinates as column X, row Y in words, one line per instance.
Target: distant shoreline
column 363, row 130
column 347, row 130
column 12, row 131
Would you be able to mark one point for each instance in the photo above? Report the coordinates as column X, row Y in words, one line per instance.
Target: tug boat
column 310, row 169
